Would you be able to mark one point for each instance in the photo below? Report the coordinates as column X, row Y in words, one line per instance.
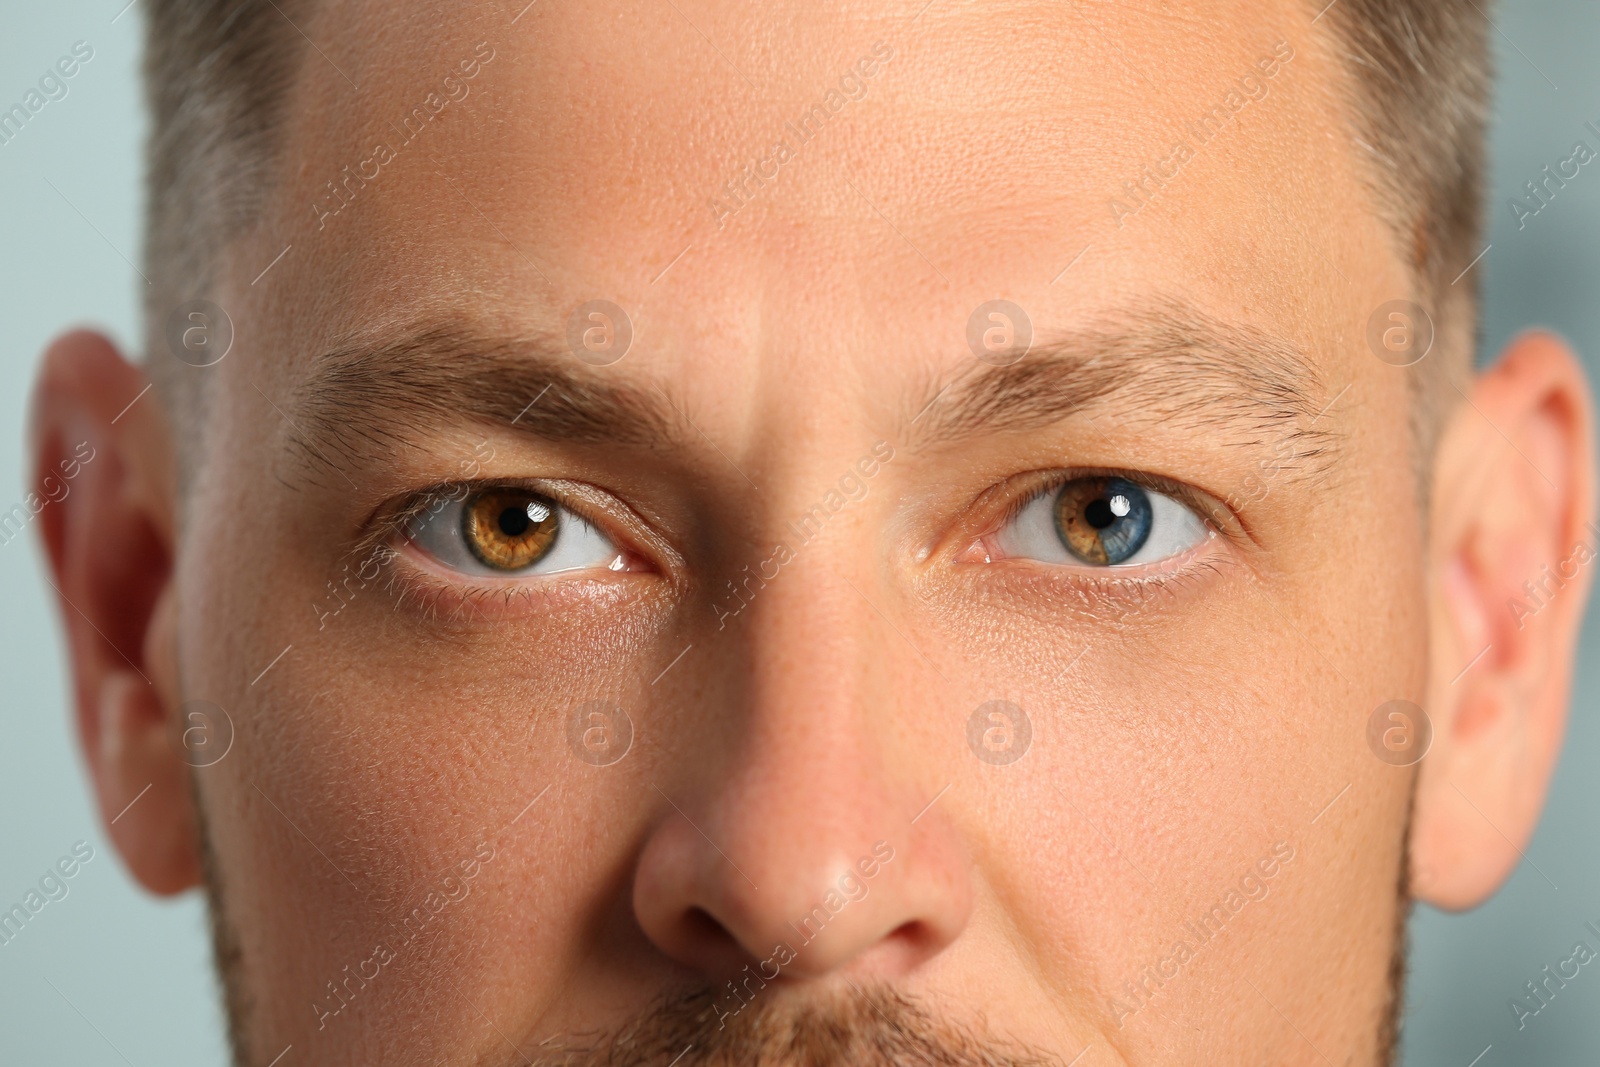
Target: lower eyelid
column 425, row 587
column 1155, row 570
column 1097, row 601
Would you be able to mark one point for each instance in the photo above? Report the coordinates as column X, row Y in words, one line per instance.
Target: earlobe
column 154, row 828
column 1512, row 537
column 102, row 463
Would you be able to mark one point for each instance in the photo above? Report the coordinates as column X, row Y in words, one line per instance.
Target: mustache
column 873, row 1027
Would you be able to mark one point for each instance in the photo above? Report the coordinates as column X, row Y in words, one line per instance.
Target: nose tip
column 681, row 908
column 803, row 908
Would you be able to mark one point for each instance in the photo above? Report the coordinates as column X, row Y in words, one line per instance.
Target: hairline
column 191, row 238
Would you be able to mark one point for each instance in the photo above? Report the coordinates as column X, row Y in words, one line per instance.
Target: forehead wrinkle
column 1162, row 362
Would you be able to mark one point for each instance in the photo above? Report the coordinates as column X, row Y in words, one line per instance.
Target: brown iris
column 1081, row 513
column 509, row 529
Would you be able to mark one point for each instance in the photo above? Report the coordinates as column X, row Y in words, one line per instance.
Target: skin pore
column 403, row 800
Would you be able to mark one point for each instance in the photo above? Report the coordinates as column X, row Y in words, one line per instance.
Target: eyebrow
column 371, row 393
column 1162, row 362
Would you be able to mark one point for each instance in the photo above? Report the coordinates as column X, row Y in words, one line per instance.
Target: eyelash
column 1093, row 587
column 470, row 597
column 465, row 598
column 1042, row 482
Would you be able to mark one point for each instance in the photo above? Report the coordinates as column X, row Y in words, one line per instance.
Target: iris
column 1103, row 520
column 508, row 529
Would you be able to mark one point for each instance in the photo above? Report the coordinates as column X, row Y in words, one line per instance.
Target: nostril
column 707, row 943
column 908, row 944
column 701, row 926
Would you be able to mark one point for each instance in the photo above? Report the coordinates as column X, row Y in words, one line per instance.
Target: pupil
column 514, row 522
column 1098, row 513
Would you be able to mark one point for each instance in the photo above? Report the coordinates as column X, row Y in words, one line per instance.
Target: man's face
column 862, row 684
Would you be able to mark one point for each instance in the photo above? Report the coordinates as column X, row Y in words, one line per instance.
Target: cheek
column 375, row 755
column 1176, row 744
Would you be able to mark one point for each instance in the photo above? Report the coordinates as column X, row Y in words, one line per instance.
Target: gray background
column 130, row 975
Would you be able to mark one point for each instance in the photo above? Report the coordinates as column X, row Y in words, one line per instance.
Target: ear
column 1513, row 545
column 103, row 503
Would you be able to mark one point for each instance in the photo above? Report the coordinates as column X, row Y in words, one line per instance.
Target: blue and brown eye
column 1104, row 521
column 1099, row 521
column 509, row 529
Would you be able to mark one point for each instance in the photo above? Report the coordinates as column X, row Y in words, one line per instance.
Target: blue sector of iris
column 1103, row 520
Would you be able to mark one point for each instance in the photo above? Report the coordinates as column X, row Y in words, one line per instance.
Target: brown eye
column 509, row 529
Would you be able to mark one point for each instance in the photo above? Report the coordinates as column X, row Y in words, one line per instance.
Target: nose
column 808, row 845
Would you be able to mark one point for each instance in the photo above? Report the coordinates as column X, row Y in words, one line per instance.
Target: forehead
column 820, row 188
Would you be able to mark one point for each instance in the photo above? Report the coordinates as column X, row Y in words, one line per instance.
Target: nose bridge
column 801, row 846
column 810, row 790
column 807, row 644
column 797, row 617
